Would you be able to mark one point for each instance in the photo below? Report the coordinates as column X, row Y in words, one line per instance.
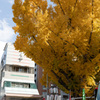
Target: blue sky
column 6, row 23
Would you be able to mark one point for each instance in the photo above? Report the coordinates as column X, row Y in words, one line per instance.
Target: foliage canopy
column 64, row 39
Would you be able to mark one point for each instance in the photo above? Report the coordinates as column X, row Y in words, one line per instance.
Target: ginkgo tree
column 63, row 38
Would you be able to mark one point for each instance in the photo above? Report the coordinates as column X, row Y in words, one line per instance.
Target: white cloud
column 6, row 32
column 11, row 1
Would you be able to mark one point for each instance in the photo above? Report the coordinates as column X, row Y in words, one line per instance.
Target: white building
column 17, row 76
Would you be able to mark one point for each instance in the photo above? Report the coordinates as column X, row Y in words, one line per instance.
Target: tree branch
column 75, row 5
column 34, row 38
column 37, row 5
column 91, row 23
column 70, row 19
column 61, row 26
column 61, row 7
column 51, row 46
column 60, row 80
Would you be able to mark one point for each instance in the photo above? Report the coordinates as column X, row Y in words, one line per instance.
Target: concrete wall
column 14, row 57
column 39, row 76
column 17, row 77
column 22, row 91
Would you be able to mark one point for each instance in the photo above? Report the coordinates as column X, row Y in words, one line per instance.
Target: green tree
column 63, row 39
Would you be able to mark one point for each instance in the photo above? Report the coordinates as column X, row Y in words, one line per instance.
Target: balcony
column 12, row 90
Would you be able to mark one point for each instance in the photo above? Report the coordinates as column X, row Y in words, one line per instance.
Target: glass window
column 2, row 62
column 25, row 69
column 26, row 85
column 21, row 69
column 10, row 68
column 12, row 85
column 20, row 85
column 17, row 85
column 32, row 70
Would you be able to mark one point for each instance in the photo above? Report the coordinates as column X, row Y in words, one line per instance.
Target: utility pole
column 47, row 84
column 47, row 89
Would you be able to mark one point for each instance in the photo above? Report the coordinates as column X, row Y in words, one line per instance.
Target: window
column 35, row 75
column 4, row 57
column 23, row 85
column 35, row 81
column 32, row 70
column 35, row 69
column 20, row 69
column 20, row 85
column 26, row 85
column 2, row 62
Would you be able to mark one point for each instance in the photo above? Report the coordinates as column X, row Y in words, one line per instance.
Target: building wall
column 17, row 73
column 35, row 73
column 39, row 76
column 22, row 91
column 38, row 72
column 43, row 90
column 15, row 76
column 20, row 98
column 12, row 56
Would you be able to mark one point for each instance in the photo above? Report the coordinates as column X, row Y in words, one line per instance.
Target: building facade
column 51, row 92
column 17, row 76
column 38, row 72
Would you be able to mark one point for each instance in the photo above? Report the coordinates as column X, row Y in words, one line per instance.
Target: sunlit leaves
column 64, row 39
